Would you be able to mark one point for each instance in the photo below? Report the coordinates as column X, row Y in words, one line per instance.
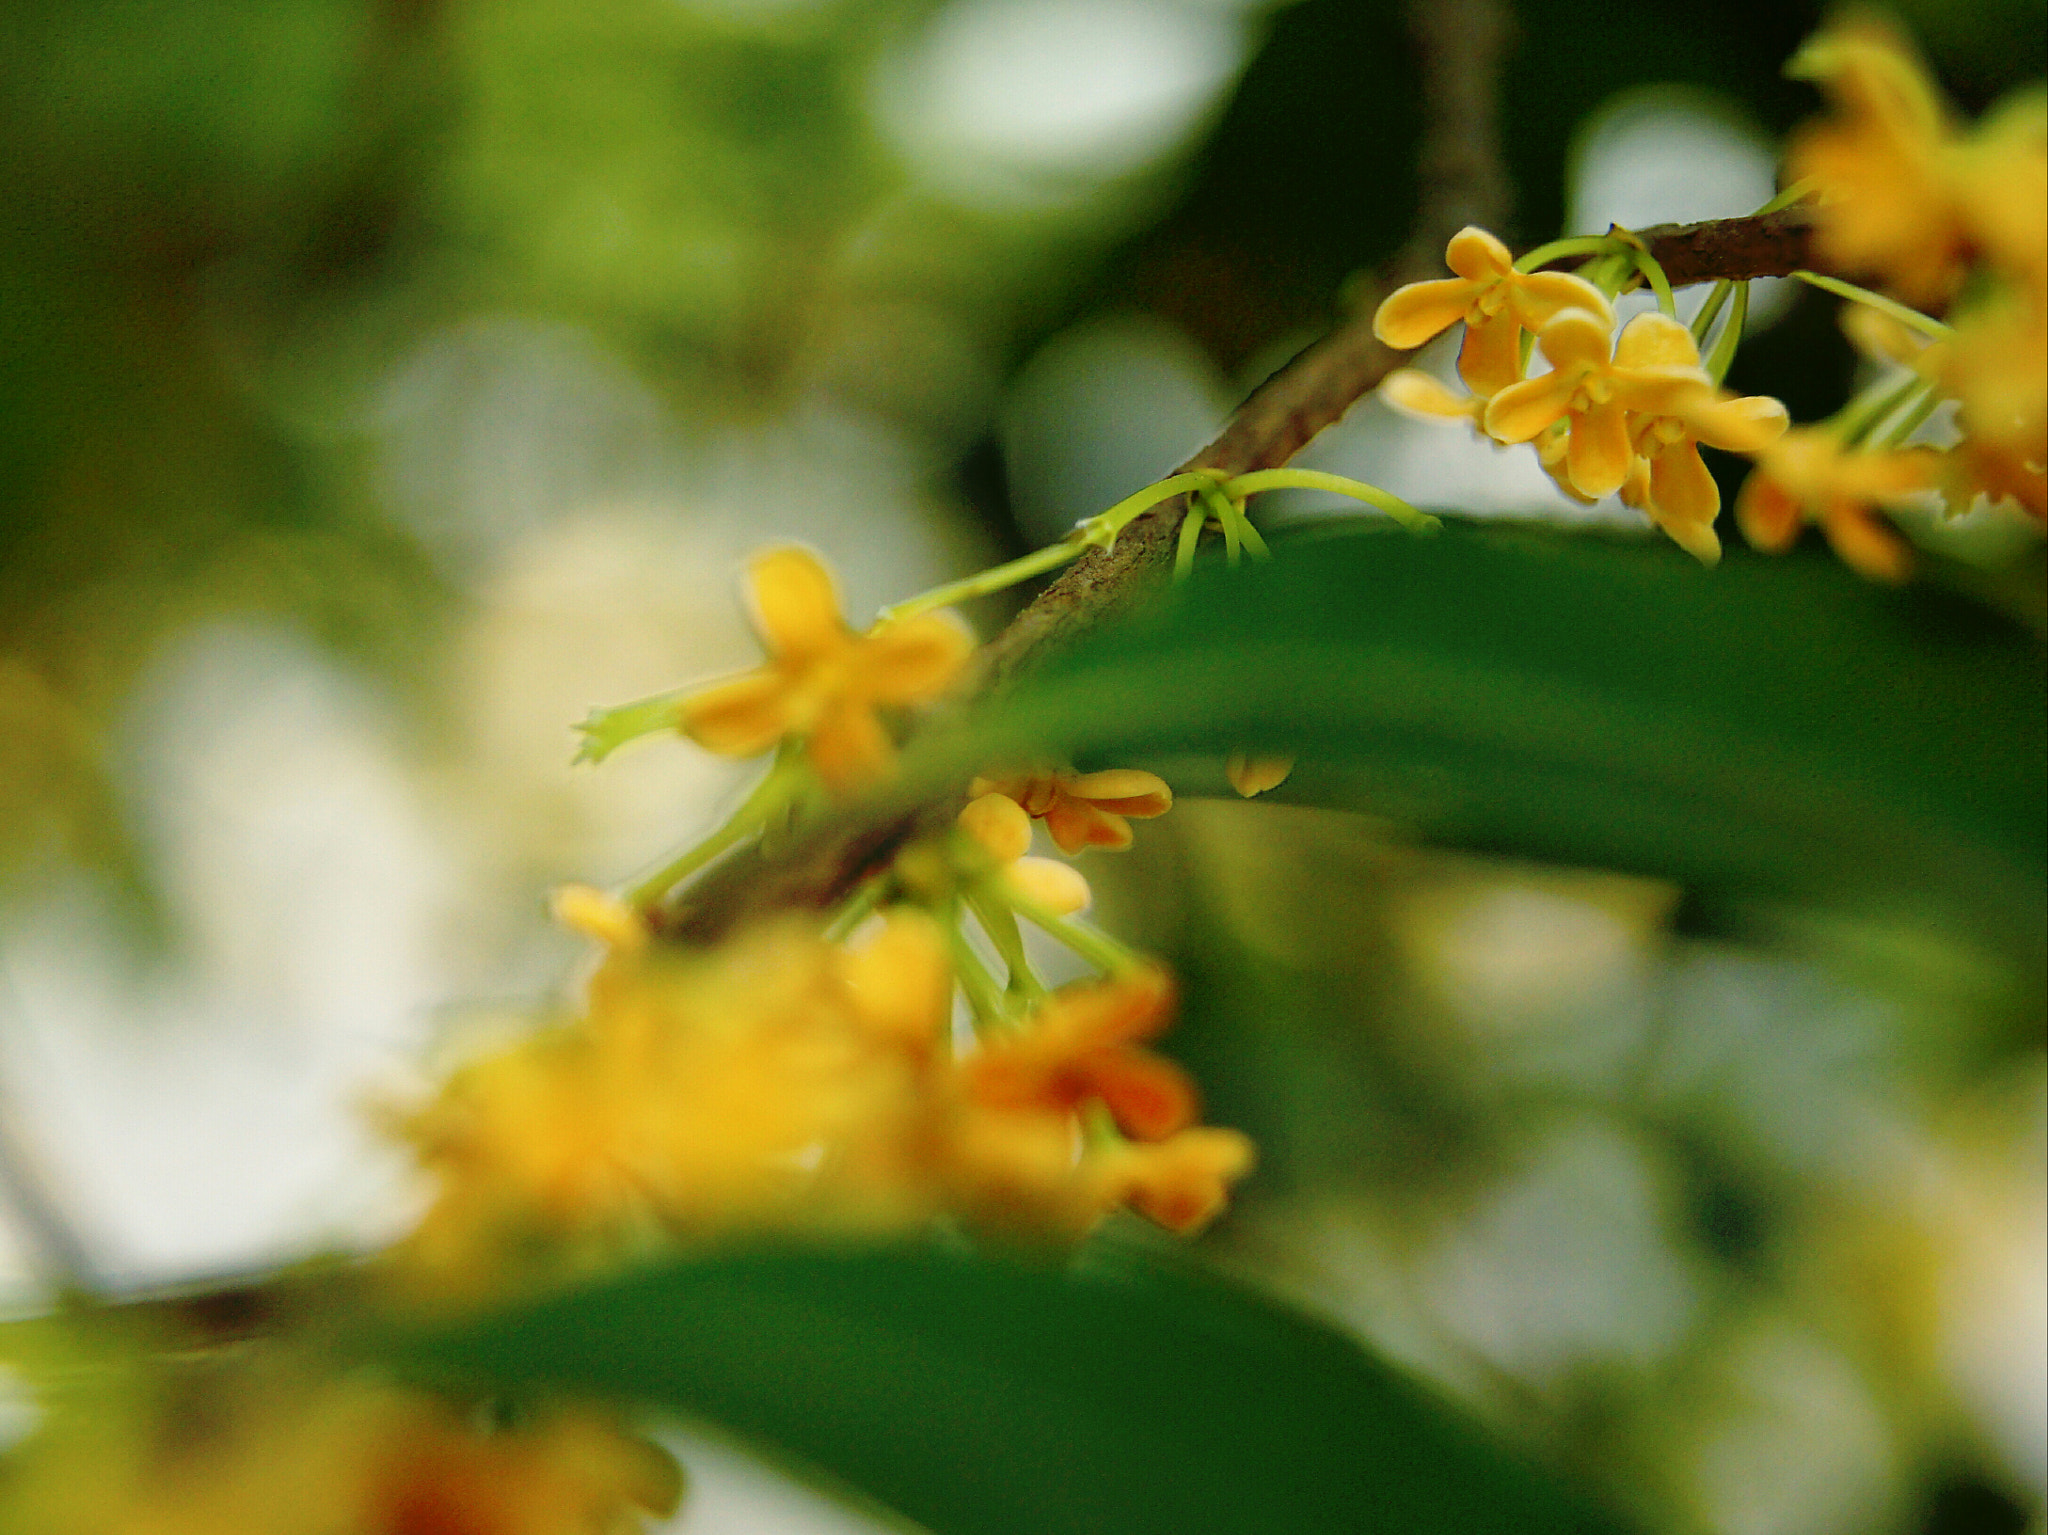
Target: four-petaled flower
column 1669, row 483
column 1496, row 302
column 1081, row 1046
column 1807, row 473
column 1083, row 810
column 1595, row 393
column 822, row 681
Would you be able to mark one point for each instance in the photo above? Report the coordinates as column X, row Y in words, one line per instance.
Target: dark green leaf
column 1773, row 728
column 985, row 1397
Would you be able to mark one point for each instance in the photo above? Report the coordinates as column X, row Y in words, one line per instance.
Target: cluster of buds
column 1624, row 413
column 786, row 1082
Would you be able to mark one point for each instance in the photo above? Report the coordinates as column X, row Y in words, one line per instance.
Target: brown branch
column 1761, row 245
column 1460, row 42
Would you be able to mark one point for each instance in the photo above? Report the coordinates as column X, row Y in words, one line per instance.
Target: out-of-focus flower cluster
column 1623, row 412
column 1903, row 197
column 786, row 1083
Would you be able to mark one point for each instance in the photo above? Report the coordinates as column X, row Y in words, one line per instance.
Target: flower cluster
column 1929, row 211
column 785, row 1082
column 1613, row 413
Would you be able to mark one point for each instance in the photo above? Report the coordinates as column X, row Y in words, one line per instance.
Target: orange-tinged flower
column 1669, row 482
column 1083, row 810
column 1183, row 1182
column 1883, row 163
column 1252, row 775
column 1997, row 366
column 1808, row 474
column 2001, row 180
column 1081, row 1047
column 999, row 824
column 822, row 681
column 1496, row 302
column 1593, row 393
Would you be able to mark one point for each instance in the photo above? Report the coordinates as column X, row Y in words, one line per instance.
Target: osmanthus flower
column 1018, row 1154
column 1809, row 475
column 1669, row 482
column 1997, row 367
column 1083, row 810
column 1496, row 302
column 1002, row 829
column 1593, row 393
column 1884, row 163
column 823, row 683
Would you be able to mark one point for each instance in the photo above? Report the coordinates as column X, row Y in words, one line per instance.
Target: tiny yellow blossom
column 1882, row 162
column 1669, row 482
column 999, row 824
column 822, row 681
column 1594, row 393
column 1083, row 810
column 1182, row 1182
column 1496, row 302
column 1253, row 775
column 1808, row 474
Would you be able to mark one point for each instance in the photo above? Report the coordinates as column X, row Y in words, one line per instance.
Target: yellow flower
column 1594, row 394
column 1496, row 302
column 1807, row 473
column 1002, row 829
column 1883, row 163
column 1182, row 1182
column 2001, row 181
column 822, row 681
column 1669, row 482
column 1997, row 366
column 1252, row 775
column 1083, row 810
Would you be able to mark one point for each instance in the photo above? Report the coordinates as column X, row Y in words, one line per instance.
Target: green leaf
column 1772, row 728
column 991, row 1397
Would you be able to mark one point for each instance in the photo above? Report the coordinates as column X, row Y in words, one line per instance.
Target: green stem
column 606, row 730
column 1860, row 416
column 1253, row 539
column 1906, row 425
column 1103, row 527
column 1653, row 269
column 1710, row 311
column 1927, row 325
column 983, row 997
column 859, row 906
column 1571, row 245
column 1792, row 194
column 1093, row 945
column 783, row 782
column 1723, row 355
column 1190, row 536
column 1000, row 923
column 1225, row 512
column 984, row 582
column 1336, row 484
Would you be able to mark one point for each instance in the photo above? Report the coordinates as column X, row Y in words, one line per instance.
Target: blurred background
column 385, row 383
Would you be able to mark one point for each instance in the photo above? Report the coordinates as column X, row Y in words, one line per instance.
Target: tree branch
column 1460, row 44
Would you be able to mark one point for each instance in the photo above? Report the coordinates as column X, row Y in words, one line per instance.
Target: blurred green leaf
column 1772, row 728
column 983, row 1397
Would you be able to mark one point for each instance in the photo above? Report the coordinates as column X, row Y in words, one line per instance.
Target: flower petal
column 1697, row 539
column 1745, row 425
column 1147, row 1095
column 1127, row 791
column 1576, row 338
column 1655, row 341
column 796, row 606
column 1541, row 296
column 1075, row 824
column 849, row 747
column 1413, row 314
column 1768, row 514
column 914, row 659
column 1254, row 775
column 1477, row 256
column 1866, row 542
column 743, row 717
column 1491, row 357
column 1598, row 457
column 1416, row 393
column 1682, row 488
column 1525, row 410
